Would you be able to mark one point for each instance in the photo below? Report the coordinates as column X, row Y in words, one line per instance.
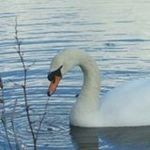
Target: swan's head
column 60, row 64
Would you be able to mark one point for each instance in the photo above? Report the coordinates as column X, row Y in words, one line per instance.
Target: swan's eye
column 51, row 75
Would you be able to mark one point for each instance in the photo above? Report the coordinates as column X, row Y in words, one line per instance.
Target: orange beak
column 53, row 85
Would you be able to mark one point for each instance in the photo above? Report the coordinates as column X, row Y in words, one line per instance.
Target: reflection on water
column 85, row 138
column 111, row 138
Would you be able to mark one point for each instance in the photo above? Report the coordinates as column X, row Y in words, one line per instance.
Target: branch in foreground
column 2, row 117
column 25, row 85
column 35, row 134
column 13, row 127
column 42, row 119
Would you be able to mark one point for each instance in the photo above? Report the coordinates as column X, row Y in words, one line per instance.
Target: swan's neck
column 87, row 105
column 91, row 85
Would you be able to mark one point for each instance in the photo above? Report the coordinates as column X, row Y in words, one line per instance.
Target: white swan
column 127, row 105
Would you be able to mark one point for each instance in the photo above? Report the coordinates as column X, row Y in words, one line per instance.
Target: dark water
column 111, row 138
column 115, row 33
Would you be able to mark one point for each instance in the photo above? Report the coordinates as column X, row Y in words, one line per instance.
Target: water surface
column 115, row 33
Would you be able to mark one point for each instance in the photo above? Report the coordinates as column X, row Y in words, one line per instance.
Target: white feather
column 127, row 105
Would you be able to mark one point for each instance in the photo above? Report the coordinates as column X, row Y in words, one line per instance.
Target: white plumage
column 126, row 105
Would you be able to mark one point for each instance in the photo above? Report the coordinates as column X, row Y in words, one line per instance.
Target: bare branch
column 13, row 126
column 42, row 118
column 25, row 85
column 3, row 118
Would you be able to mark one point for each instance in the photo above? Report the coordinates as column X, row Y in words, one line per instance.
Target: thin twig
column 3, row 118
column 25, row 85
column 42, row 118
column 13, row 126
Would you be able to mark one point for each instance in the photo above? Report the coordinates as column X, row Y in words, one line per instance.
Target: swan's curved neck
column 91, row 85
column 87, row 105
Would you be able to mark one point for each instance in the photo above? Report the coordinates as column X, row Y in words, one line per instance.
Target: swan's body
column 127, row 105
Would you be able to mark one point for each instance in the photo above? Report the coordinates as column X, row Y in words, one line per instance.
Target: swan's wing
column 129, row 103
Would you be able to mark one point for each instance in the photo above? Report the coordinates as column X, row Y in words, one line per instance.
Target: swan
column 126, row 105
